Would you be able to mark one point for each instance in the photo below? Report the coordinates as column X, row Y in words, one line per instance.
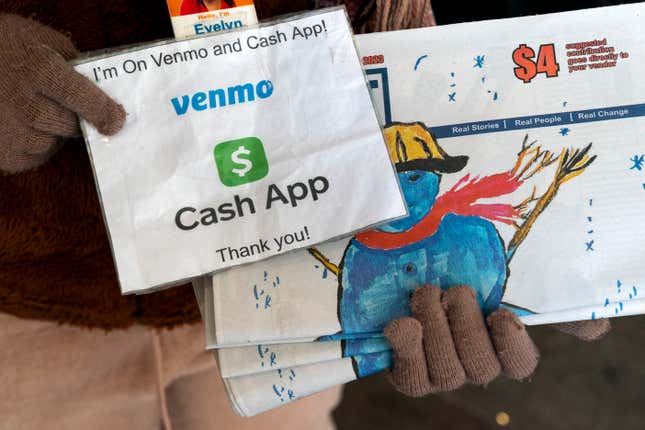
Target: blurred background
column 454, row 11
column 578, row 385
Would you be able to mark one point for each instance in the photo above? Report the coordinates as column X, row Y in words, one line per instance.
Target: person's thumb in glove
column 42, row 95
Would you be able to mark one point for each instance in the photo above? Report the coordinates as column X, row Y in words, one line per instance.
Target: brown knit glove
column 448, row 343
column 41, row 94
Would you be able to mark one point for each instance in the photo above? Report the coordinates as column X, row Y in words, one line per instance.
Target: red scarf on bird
column 459, row 200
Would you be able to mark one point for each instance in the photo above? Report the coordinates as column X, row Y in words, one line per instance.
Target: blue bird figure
column 446, row 240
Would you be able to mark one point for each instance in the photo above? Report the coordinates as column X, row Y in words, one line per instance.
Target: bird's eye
column 410, row 268
column 414, row 177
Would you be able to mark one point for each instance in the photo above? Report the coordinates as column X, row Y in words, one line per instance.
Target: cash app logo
column 241, row 161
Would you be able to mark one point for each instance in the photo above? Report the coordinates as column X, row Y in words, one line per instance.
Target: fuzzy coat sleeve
column 55, row 258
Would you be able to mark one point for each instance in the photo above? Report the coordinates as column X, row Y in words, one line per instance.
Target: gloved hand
column 448, row 343
column 40, row 94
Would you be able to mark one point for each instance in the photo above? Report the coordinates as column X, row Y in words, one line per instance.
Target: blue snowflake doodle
column 637, row 162
column 262, row 298
column 479, row 61
column 265, row 352
column 258, row 295
column 278, row 392
column 617, row 302
column 495, row 96
column 419, row 60
column 451, row 96
column 564, row 131
column 262, row 351
column 324, row 271
column 590, row 230
column 291, row 374
column 494, row 93
column 279, row 389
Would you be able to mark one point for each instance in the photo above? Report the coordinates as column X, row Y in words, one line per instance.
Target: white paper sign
column 238, row 147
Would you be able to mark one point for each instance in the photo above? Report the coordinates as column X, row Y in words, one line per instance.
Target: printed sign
column 194, row 18
column 238, row 147
column 241, row 161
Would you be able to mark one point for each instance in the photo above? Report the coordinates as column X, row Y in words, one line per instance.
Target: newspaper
column 260, row 358
column 257, row 393
column 529, row 189
column 519, row 148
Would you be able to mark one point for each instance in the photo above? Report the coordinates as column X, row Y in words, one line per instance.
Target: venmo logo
column 241, row 161
column 221, row 97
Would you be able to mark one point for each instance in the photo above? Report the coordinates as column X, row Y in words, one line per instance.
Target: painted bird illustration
column 448, row 239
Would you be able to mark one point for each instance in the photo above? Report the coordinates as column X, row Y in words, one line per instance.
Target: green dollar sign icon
column 241, row 161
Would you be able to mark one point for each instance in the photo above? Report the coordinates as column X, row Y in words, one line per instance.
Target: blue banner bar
column 537, row 121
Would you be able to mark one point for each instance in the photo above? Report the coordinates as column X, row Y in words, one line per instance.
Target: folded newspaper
column 261, row 377
column 518, row 144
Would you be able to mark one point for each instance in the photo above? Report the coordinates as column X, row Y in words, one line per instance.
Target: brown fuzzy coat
column 55, row 259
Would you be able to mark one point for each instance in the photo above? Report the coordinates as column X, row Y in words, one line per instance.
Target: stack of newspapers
column 518, row 144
